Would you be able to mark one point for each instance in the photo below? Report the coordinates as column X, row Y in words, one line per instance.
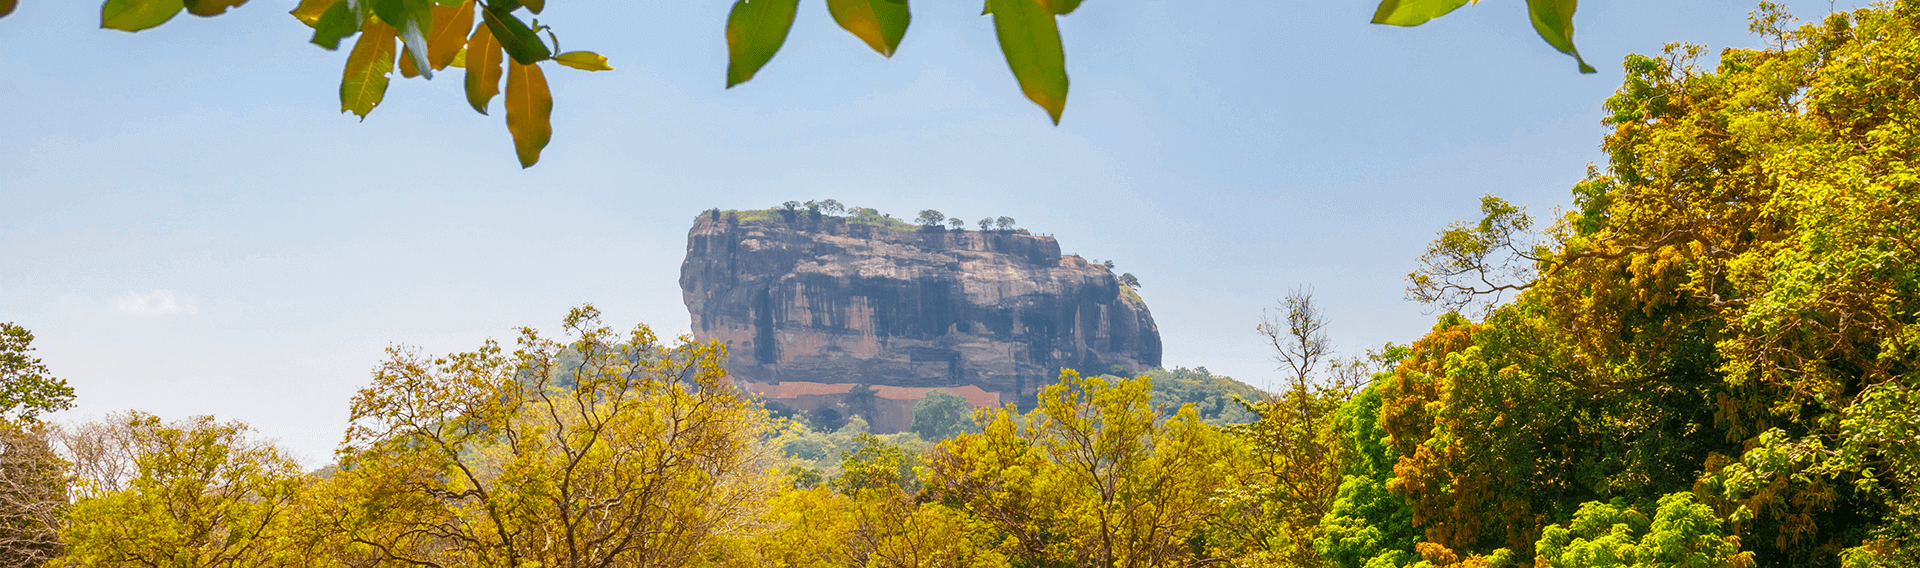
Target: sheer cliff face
column 817, row 300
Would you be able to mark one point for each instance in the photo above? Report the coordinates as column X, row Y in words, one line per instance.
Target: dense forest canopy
column 1709, row 361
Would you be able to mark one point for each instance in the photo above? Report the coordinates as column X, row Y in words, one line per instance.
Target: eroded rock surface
column 849, row 307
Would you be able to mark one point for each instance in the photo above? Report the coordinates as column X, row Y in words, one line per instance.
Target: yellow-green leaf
column 450, row 27
column 529, row 111
column 1554, row 20
column 534, row 6
column 309, row 11
column 1413, row 12
column 210, row 8
column 880, row 23
column 585, row 60
column 483, row 68
column 136, row 15
column 1031, row 41
column 755, row 31
column 7, row 6
column 368, row 66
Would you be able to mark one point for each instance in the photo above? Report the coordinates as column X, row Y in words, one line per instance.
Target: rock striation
column 820, row 313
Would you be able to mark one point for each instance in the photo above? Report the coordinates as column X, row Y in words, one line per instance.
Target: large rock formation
column 821, row 313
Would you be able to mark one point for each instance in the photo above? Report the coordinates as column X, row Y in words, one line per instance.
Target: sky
column 189, row 227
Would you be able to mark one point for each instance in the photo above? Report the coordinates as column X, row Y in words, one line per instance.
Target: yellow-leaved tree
column 181, row 494
column 869, row 516
column 1091, row 477
column 600, row 451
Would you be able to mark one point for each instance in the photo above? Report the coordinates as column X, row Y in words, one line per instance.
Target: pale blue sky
column 190, row 228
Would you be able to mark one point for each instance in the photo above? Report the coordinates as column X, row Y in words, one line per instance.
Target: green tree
column 1216, row 398
column 1479, row 263
column 1682, row 533
column 829, row 206
column 1367, row 524
column 26, row 388
column 931, row 218
column 942, row 415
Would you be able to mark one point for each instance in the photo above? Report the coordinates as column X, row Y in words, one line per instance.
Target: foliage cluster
column 1708, row 362
column 815, row 456
column 444, row 33
column 26, row 387
column 1217, row 399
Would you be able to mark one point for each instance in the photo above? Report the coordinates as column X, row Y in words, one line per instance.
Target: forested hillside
column 1708, row 362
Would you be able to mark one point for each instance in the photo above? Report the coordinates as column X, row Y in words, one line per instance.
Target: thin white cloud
column 153, row 304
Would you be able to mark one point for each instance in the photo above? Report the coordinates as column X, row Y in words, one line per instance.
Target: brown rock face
column 813, row 308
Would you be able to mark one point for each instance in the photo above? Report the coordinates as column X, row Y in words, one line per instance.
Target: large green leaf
column 1413, row 12
column 393, row 12
column 136, row 15
column 1031, row 41
column 1554, row 20
column 529, row 111
column 755, row 31
column 209, row 8
column 364, row 83
column 521, row 42
column 337, row 22
column 880, row 23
